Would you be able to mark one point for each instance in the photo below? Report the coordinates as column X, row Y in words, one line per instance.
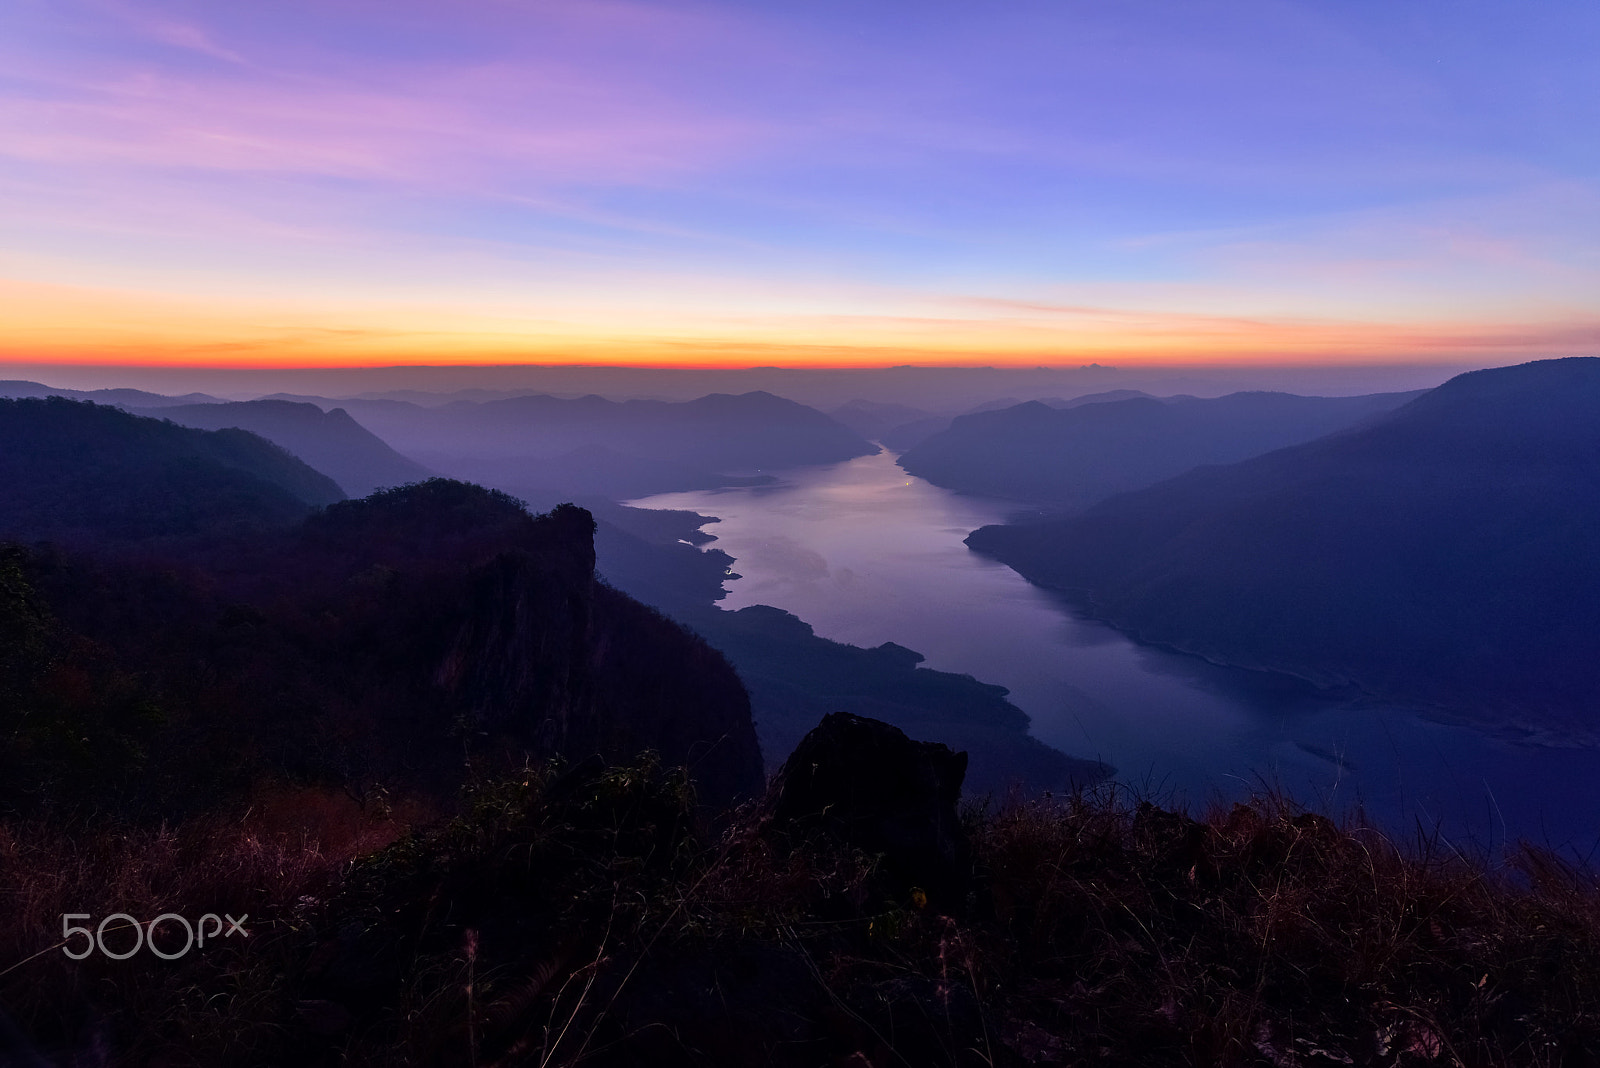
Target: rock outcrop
column 870, row 785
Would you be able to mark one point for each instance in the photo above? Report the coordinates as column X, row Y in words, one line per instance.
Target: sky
column 345, row 182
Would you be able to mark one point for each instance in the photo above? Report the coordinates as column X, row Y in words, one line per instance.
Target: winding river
column 866, row 554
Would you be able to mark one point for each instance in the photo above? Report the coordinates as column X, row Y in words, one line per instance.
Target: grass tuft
column 596, row 916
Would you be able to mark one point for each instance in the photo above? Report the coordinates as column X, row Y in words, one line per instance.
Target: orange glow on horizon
column 48, row 324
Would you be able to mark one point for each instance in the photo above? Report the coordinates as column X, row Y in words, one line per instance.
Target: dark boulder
column 865, row 782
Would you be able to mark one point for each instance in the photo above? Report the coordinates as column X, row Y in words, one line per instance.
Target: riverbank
column 867, row 554
column 795, row 677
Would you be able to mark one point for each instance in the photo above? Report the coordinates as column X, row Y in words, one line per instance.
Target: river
column 866, row 554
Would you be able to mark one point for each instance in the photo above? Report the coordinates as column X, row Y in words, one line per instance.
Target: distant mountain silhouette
column 122, row 398
column 544, row 447
column 909, row 435
column 78, row 471
column 1069, row 458
column 873, row 419
column 1447, row 553
column 592, row 471
column 719, row 432
column 914, row 433
column 332, row 442
column 1097, row 398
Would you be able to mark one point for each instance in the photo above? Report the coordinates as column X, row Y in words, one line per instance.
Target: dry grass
column 272, row 862
column 553, row 925
column 1266, row 934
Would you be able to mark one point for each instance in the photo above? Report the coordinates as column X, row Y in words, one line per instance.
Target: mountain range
column 187, row 612
column 121, row 398
column 332, row 442
column 1086, row 450
column 1446, row 553
column 721, row 432
column 80, row 471
column 236, row 530
column 523, row 444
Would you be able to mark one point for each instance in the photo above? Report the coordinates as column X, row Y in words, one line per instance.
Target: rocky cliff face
column 520, row 653
column 496, row 617
column 408, row 639
column 548, row 654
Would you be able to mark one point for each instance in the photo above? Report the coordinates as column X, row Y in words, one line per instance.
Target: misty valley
column 472, row 698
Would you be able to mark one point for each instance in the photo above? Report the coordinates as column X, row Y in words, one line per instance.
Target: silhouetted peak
column 1023, row 414
column 569, row 518
column 84, row 471
column 1031, row 407
column 755, row 402
column 302, row 409
column 443, row 522
column 1564, row 385
column 434, row 505
column 867, row 782
column 19, row 387
column 733, row 401
column 130, row 398
column 1104, row 397
column 1533, row 413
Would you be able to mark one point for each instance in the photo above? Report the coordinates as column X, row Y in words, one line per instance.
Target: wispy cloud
column 442, row 129
column 189, row 36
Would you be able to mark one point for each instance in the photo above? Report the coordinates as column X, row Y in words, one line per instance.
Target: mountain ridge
column 1070, row 458
column 1443, row 554
column 81, row 470
column 333, row 442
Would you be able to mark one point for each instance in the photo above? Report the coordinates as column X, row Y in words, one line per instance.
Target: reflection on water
column 867, row 554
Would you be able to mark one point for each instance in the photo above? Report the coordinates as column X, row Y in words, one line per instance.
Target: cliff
column 409, row 641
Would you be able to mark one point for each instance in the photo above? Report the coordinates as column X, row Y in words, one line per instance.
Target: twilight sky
column 352, row 182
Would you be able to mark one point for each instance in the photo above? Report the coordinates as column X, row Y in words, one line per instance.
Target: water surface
column 866, row 554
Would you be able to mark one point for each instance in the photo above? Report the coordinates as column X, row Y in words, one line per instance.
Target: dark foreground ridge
column 593, row 916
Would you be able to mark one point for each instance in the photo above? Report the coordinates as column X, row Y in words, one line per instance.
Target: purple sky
column 299, row 183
